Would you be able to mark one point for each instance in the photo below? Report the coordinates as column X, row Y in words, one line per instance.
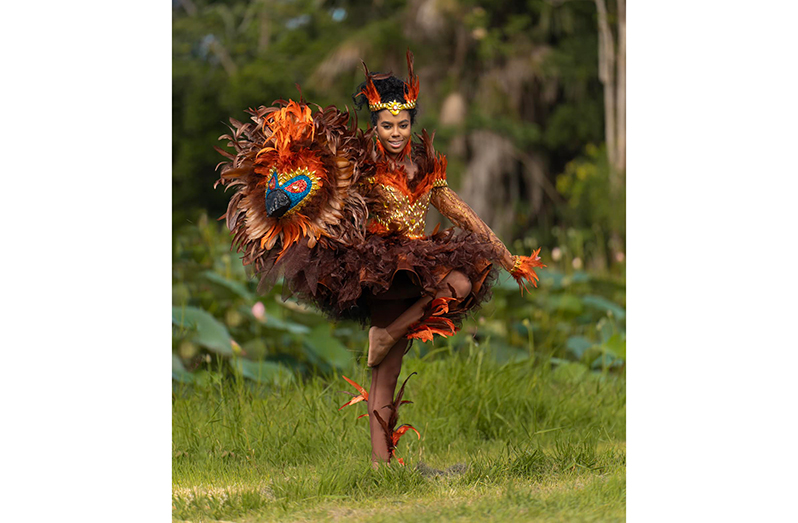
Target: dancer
column 432, row 281
column 342, row 217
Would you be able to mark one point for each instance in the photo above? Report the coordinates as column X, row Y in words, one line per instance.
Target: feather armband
column 391, row 433
column 524, row 269
column 433, row 322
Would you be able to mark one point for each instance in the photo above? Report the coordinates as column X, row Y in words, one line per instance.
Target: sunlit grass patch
column 517, row 441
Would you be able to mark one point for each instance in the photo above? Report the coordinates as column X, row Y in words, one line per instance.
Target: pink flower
column 259, row 311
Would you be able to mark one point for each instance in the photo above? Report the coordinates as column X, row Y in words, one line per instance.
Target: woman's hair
column 390, row 89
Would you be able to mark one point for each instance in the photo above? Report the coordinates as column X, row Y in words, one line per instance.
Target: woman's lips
column 396, row 145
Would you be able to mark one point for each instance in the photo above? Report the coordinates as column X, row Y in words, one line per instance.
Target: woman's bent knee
column 459, row 283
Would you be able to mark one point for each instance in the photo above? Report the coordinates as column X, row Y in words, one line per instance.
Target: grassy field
column 523, row 440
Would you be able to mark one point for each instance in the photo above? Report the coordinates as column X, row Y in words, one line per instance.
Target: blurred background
column 527, row 100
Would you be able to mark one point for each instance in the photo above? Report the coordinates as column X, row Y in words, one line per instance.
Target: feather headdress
column 394, row 106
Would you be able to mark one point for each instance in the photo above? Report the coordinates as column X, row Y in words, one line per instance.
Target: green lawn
column 528, row 441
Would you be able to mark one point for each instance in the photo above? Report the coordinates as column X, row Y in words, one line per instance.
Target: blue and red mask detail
column 285, row 198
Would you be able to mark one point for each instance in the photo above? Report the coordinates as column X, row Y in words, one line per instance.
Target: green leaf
column 603, row 304
column 327, row 348
column 606, row 360
column 237, row 288
column 179, row 319
column 263, row 371
column 273, row 322
column 270, row 321
column 605, row 329
column 577, row 345
column 567, row 303
column 179, row 372
column 209, row 332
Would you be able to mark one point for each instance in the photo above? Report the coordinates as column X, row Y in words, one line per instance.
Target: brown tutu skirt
column 343, row 282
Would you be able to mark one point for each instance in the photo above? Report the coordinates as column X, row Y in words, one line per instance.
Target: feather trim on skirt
column 343, row 282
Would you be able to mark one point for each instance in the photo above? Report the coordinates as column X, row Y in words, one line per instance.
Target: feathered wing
column 294, row 173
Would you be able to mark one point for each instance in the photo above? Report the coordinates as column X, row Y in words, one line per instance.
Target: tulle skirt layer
column 346, row 283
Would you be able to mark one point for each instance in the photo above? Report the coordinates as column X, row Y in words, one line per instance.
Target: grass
column 530, row 443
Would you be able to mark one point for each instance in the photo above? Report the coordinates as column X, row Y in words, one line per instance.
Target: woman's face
column 393, row 131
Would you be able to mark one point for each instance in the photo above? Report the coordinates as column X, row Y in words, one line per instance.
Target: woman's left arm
column 463, row 216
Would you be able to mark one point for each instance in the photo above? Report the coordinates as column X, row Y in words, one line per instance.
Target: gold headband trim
column 393, row 106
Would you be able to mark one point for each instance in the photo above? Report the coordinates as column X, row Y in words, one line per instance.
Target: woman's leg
column 384, row 376
column 382, row 338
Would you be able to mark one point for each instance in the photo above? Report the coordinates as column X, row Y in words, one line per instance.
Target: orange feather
column 370, row 91
column 525, row 270
column 412, row 84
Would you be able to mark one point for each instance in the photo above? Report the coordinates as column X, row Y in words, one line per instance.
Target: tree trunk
column 264, row 32
column 607, row 77
column 620, row 157
column 483, row 188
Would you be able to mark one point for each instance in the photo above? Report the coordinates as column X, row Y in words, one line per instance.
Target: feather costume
column 318, row 202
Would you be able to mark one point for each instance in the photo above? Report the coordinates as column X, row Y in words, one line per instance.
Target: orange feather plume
column 364, row 395
column 433, row 322
column 292, row 123
column 370, row 91
column 524, row 269
column 412, row 84
column 386, row 174
column 398, row 433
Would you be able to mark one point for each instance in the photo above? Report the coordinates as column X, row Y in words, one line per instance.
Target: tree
column 612, row 73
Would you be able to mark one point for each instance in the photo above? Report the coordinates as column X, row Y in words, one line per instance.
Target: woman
column 342, row 218
column 417, row 285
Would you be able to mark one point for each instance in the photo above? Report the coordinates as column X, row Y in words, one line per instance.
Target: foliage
column 527, row 71
column 219, row 319
column 591, row 200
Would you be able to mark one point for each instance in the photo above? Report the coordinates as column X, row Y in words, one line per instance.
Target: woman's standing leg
column 385, row 375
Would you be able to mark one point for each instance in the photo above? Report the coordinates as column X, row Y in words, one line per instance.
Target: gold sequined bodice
column 395, row 211
column 400, row 213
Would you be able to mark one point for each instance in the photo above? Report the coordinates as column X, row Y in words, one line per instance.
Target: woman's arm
column 453, row 207
column 463, row 216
